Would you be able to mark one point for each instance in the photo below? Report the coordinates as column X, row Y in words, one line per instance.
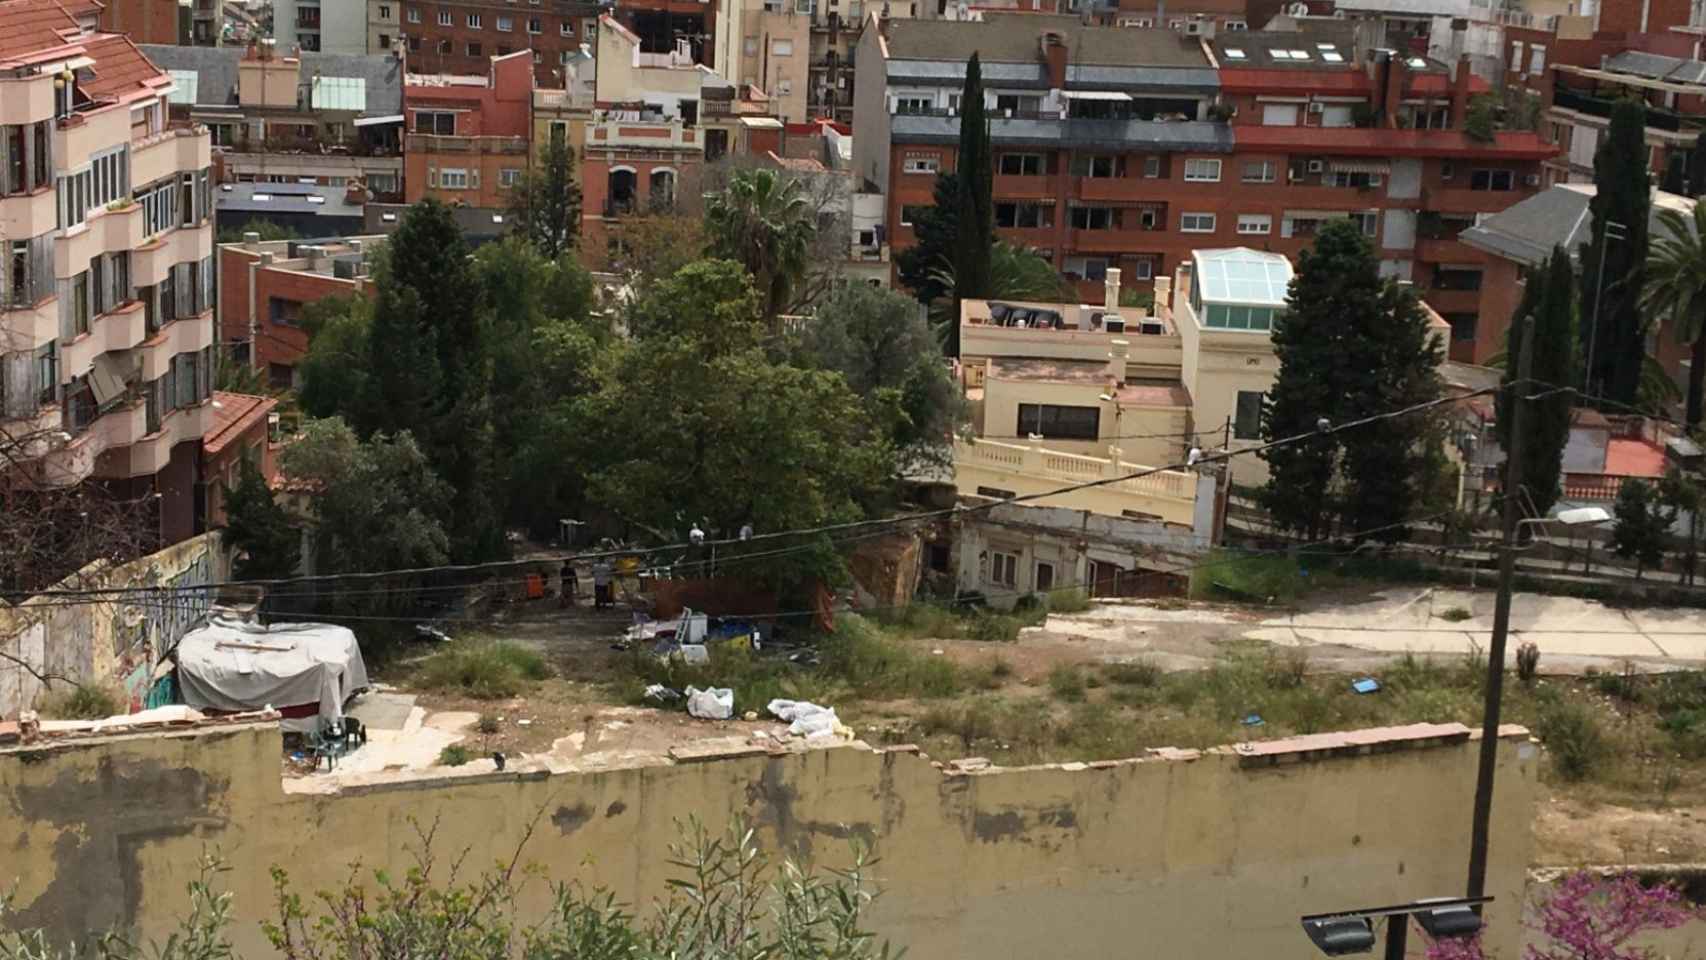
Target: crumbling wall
column 113, row 639
column 1176, row 855
column 885, row 571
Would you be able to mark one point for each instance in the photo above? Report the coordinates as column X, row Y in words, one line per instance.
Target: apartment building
column 467, row 140
column 283, row 117
column 106, row 333
column 459, row 37
column 775, row 53
column 265, row 285
column 147, row 21
column 1130, row 148
column 321, row 26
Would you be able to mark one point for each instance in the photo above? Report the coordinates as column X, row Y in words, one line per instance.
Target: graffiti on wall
column 146, row 629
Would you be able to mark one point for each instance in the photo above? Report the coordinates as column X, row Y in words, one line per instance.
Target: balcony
column 83, row 134
column 1658, row 118
column 180, row 336
column 150, row 454
column 111, row 431
column 430, row 143
column 1036, row 238
column 150, row 261
column 1145, row 349
column 1025, row 188
column 644, row 135
column 27, row 100
column 1132, row 241
column 1446, row 300
column 31, row 327
column 29, row 214
column 1447, row 249
column 119, row 329
column 107, row 230
column 1026, row 469
column 172, row 151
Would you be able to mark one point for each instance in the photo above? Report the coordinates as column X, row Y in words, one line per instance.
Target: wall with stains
column 1210, row 855
column 114, row 639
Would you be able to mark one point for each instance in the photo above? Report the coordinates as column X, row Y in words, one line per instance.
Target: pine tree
column 546, row 204
column 1638, row 532
column 259, row 531
column 975, row 170
column 1624, row 197
column 1550, row 298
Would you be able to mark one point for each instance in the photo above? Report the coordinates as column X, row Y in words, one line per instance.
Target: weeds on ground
column 1574, row 738
column 482, row 670
column 89, row 702
column 454, row 755
column 1066, row 682
column 487, row 724
column 1136, row 673
column 1455, row 614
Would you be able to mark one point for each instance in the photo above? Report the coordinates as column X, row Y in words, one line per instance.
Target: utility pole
column 1501, row 616
column 1611, row 231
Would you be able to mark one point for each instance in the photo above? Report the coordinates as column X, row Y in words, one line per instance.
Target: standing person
column 571, row 585
column 601, row 584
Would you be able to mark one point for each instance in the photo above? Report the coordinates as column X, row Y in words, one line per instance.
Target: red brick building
column 241, row 429
column 467, row 136
column 1130, row 148
column 264, row 287
column 459, row 37
column 145, row 21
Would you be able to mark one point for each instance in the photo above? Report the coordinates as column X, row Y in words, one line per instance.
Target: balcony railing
column 981, row 466
column 1657, row 117
column 433, row 143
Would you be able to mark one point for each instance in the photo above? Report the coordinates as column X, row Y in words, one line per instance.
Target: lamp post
column 1348, row 932
column 1612, row 231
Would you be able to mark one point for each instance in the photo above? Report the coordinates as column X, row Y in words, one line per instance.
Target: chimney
column 1053, row 49
column 1117, row 356
column 1397, row 77
column 1111, row 289
column 1460, row 93
column 251, row 240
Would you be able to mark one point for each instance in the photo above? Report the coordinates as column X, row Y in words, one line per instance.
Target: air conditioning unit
column 1532, row 180
column 1152, row 327
column 1115, row 324
column 1193, row 28
column 1317, row 107
column 1316, row 166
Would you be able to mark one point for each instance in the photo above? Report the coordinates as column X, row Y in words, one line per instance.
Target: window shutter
column 19, row 392
column 432, row 176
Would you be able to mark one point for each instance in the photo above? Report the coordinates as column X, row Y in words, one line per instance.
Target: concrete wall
column 108, row 642
column 870, row 111
column 1204, row 856
column 1069, row 540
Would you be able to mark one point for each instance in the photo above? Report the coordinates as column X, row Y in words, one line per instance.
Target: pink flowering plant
column 1588, row 916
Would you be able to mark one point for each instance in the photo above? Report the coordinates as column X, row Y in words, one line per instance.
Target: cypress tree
column 1550, row 298
column 1624, row 197
column 975, row 172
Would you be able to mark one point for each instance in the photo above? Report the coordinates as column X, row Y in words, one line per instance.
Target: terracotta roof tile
column 120, row 68
column 32, row 26
column 235, row 415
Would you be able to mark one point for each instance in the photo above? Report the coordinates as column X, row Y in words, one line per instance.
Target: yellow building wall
column 1193, row 858
column 1147, row 435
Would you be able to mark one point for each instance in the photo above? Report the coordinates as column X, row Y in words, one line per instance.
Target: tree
column 1638, row 532
column 267, row 229
column 935, row 232
column 546, row 202
column 974, row 166
column 1684, row 493
column 1351, row 343
column 1550, row 299
column 651, row 248
column 883, row 347
column 334, row 372
column 1623, row 197
column 1695, row 184
column 1676, row 292
column 259, row 531
column 1015, row 273
column 765, row 222
column 1588, row 917
column 1481, row 120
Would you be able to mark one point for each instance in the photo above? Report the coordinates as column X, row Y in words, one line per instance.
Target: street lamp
column 1612, row 231
column 1346, row 932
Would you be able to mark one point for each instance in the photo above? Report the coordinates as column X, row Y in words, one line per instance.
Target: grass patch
column 1066, row 682
column 1575, row 739
column 1455, row 614
column 1068, row 600
column 1137, row 673
column 937, row 622
column 89, row 702
column 454, row 755
column 990, row 674
column 482, row 670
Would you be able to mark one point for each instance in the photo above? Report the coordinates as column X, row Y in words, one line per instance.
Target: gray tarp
column 233, row 665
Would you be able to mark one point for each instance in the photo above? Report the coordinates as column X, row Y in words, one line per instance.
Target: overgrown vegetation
column 454, row 755
column 482, row 670
column 86, row 702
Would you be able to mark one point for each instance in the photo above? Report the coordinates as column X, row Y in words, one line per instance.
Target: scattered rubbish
column 809, row 720
column 749, row 715
column 716, row 703
column 1252, row 720
column 524, row 723
column 426, row 632
column 658, row 692
column 937, row 651
column 1365, row 685
column 804, row 658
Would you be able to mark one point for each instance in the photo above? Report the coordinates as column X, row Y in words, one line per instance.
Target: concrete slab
column 383, row 711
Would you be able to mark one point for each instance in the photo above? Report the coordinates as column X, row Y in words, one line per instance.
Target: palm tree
column 1676, row 291
column 767, row 223
column 1015, row 273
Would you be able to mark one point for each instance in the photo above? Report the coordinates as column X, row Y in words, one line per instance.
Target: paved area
column 383, row 710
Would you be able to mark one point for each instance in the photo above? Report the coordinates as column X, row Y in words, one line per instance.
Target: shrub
column 1287, row 669
column 1456, row 614
column 1527, row 662
column 878, row 667
column 83, row 703
column 487, row 724
column 454, row 755
column 995, row 628
column 1066, row 682
column 1135, row 673
column 990, row 674
column 1572, row 734
column 484, row 671
column 1068, row 600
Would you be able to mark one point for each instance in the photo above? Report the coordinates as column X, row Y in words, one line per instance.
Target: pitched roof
column 120, row 68
column 1525, row 232
column 1364, row 142
column 1005, row 38
column 234, row 416
column 33, row 26
column 217, row 69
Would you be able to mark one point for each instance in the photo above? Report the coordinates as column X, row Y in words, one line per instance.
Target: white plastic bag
column 807, row 719
column 716, row 703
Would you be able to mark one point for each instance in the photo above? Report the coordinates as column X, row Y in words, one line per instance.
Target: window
column 506, row 24
column 1056, row 422
column 1093, row 165
column 473, row 49
column 473, row 21
column 566, row 29
column 453, row 178
column 109, row 281
column 1368, row 221
column 284, row 312
column 414, row 15
column 1279, row 114
column 384, row 44
column 1017, row 105
column 1151, row 167
column 47, row 372
column 1003, row 568
column 1094, row 269
column 1202, row 171
column 445, row 19
column 749, row 47
column 909, row 214
column 1247, row 421
column 1220, row 316
column 1492, row 180
column 1092, row 218
column 1259, row 171
column 1141, row 269
column 1462, row 326
column 1045, row 576
column 1024, row 215
column 1516, row 56
column 436, row 122
column 1196, row 223
column 564, row 56
column 74, row 307
column 385, row 11
column 1021, row 164
column 912, row 105
column 509, row 176
column 781, row 48
column 1355, row 179
column 1448, row 278
column 920, row 164
column 535, row 25
column 1255, row 223
column 28, row 276
column 159, row 208
column 106, row 179
column 414, row 44
column 1536, row 59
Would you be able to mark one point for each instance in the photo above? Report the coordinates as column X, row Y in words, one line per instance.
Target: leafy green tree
column 935, row 232
column 974, row 166
column 1351, row 343
column 334, row 372
column 883, row 347
column 265, row 541
column 1481, row 120
column 764, row 221
column 1550, row 298
column 546, row 202
column 1676, row 292
column 267, row 229
column 1623, row 196
column 1640, row 525
column 1685, row 493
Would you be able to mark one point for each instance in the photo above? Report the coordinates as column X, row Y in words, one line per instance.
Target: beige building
column 775, row 52
column 106, row 330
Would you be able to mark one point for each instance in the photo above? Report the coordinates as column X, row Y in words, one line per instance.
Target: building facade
column 468, row 136
column 147, row 21
column 321, row 26
column 265, row 285
column 106, row 333
column 459, row 37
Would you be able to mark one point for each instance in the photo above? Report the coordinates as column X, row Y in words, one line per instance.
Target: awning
column 373, row 121
column 1094, row 95
column 106, row 379
column 1381, row 167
